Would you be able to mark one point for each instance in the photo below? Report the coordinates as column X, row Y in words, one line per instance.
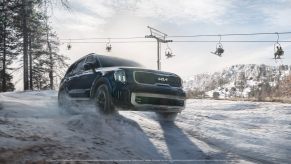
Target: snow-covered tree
column 9, row 40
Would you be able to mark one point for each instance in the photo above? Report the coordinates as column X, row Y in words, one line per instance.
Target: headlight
column 120, row 76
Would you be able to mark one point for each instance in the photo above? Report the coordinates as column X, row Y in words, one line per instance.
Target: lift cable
column 179, row 36
column 234, row 34
column 234, row 41
column 193, row 41
column 122, row 38
column 111, row 42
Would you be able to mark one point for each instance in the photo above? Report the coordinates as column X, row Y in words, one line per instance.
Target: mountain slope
column 238, row 80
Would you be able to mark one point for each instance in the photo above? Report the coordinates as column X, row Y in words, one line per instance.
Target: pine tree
column 8, row 42
column 46, row 65
column 24, row 29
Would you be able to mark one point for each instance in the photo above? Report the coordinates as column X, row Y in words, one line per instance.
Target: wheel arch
column 97, row 82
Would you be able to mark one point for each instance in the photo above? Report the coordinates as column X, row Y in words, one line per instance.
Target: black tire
column 103, row 100
column 167, row 116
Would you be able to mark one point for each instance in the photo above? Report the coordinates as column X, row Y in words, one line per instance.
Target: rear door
column 64, row 82
column 74, row 81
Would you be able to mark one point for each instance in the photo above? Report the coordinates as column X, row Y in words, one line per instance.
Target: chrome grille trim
column 156, row 83
column 134, row 95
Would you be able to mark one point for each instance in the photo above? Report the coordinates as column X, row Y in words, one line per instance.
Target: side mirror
column 88, row 66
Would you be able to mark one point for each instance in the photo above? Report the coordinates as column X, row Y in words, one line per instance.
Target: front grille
column 158, row 101
column 153, row 78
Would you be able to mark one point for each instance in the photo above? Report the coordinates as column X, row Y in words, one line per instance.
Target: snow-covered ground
column 32, row 127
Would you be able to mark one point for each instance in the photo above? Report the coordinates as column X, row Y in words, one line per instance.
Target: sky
column 130, row 18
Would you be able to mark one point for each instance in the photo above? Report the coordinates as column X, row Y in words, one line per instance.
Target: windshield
column 107, row 61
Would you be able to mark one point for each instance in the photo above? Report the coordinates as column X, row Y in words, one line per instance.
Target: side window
column 70, row 70
column 79, row 67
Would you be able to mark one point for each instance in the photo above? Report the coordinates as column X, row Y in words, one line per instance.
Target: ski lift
column 219, row 48
column 108, row 46
column 168, row 52
column 69, row 46
column 278, row 51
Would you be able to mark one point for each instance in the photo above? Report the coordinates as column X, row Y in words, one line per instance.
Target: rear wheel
column 103, row 100
column 61, row 98
column 63, row 101
column 167, row 116
column 65, row 104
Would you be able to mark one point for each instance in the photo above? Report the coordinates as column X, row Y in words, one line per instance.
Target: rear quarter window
column 70, row 70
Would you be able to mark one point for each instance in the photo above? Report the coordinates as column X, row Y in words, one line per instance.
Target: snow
column 242, row 77
column 32, row 127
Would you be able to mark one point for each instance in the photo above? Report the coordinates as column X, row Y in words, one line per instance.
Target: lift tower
column 161, row 38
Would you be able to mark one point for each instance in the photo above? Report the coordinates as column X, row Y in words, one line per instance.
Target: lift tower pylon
column 161, row 38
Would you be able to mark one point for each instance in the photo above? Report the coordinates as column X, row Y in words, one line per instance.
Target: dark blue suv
column 118, row 84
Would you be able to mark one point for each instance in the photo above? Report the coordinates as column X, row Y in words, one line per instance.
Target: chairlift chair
column 278, row 51
column 108, row 47
column 69, row 46
column 219, row 49
column 169, row 53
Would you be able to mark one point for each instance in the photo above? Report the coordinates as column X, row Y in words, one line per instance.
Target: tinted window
column 107, row 61
column 79, row 67
column 70, row 70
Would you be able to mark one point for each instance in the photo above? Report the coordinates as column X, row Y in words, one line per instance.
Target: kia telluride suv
column 118, row 84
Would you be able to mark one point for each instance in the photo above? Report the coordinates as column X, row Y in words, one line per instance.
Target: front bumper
column 157, row 102
column 143, row 97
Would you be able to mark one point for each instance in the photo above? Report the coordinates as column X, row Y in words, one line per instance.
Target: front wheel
column 167, row 116
column 103, row 100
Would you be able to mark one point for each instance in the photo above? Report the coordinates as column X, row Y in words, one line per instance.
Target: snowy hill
column 237, row 80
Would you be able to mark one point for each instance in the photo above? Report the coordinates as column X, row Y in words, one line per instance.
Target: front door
column 88, row 76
